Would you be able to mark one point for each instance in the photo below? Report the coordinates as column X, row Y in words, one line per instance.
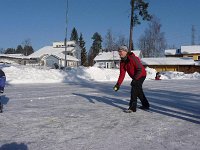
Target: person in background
column 2, row 81
column 131, row 64
column 2, row 85
column 158, row 76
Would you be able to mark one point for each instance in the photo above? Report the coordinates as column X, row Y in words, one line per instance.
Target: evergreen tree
column 74, row 35
column 138, row 10
column 97, row 43
column 19, row 49
column 10, row 51
column 95, row 48
column 83, row 51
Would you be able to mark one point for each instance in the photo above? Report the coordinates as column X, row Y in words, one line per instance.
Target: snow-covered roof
column 50, row 50
column 112, row 55
column 62, row 44
column 168, row 61
column 170, row 51
column 19, row 56
column 193, row 49
column 107, row 56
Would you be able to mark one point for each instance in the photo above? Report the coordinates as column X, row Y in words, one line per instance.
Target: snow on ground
column 70, row 110
column 89, row 116
column 17, row 74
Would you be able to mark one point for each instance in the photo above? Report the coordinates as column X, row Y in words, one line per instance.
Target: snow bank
column 18, row 74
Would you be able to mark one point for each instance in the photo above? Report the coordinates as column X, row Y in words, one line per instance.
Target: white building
column 111, row 59
column 14, row 59
column 52, row 56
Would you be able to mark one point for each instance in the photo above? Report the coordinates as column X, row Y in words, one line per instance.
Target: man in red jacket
column 131, row 64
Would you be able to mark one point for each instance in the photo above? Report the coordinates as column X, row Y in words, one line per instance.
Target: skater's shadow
column 175, row 113
column 4, row 100
column 104, row 99
column 175, row 104
column 14, row 146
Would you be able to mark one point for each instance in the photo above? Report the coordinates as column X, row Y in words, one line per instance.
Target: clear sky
column 43, row 21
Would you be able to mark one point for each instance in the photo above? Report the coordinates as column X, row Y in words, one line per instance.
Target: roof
column 50, row 50
column 18, row 56
column 107, row 56
column 193, row 49
column 112, row 55
column 168, row 61
column 170, row 52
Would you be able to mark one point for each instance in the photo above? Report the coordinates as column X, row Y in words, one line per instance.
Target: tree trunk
column 131, row 27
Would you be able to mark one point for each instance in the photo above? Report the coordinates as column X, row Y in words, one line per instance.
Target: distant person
column 2, row 81
column 131, row 64
column 158, row 76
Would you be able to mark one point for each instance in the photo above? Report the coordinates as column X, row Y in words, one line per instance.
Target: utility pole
column 193, row 35
column 65, row 41
column 131, row 27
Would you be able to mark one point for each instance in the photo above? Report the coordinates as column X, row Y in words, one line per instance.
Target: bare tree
column 26, row 42
column 109, row 41
column 122, row 40
column 2, row 51
column 28, row 49
column 153, row 42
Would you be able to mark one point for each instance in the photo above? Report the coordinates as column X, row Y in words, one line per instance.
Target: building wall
column 194, row 56
column 107, row 64
column 183, row 68
column 50, row 61
column 70, row 63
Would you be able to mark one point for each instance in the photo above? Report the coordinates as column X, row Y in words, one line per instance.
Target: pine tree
column 10, row 51
column 138, row 10
column 95, row 48
column 97, row 43
column 83, row 51
column 74, row 35
column 19, row 49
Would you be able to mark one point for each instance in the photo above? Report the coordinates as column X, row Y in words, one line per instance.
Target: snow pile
column 179, row 75
column 19, row 74
column 27, row 74
column 99, row 74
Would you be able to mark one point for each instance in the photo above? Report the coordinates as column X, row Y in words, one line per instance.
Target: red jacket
column 133, row 66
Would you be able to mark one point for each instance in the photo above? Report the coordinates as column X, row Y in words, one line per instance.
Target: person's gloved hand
column 116, row 87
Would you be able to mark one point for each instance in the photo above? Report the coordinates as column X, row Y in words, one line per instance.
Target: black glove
column 116, row 87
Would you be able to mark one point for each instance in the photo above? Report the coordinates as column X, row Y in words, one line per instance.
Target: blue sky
column 43, row 21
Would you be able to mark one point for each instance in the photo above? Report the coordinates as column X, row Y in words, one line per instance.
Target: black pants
column 137, row 92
